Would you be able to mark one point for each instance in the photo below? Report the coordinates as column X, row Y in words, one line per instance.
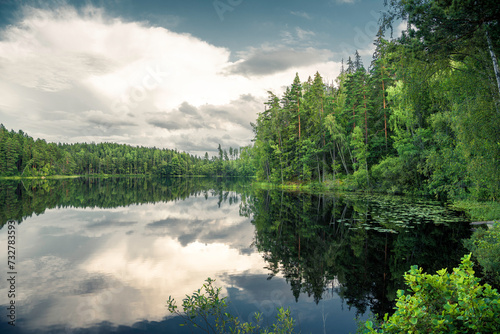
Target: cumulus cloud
column 97, row 117
column 265, row 62
column 79, row 75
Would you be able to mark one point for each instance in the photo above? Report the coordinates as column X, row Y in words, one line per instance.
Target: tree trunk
column 324, row 143
column 385, row 117
column 324, row 163
column 333, row 162
column 281, row 155
column 299, row 146
column 494, row 59
column 342, row 158
column 366, row 121
column 319, row 171
column 353, row 117
column 298, row 112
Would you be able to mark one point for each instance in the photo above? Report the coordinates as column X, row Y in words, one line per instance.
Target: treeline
column 21, row 155
column 423, row 118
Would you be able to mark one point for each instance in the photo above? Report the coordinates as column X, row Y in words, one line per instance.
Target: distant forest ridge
column 21, row 155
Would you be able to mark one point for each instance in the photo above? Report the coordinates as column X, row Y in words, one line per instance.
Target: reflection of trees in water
column 317, row 243
column 322, row 243
column 21, row 199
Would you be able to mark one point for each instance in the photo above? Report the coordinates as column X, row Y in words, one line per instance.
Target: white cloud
column 82, row 76
column 301, row 14
column 296, row 38
column 266, row 61
column 304, row 34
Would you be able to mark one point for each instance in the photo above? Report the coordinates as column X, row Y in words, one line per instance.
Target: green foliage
column 206, row 310
column 446, row 83
column 20, row 155
column 479, row 211
column 361, row 154
column 485, row 247
column 283, row 151
column 444, row 163
column 443, row 303
column 427, row 109
column 389, row 175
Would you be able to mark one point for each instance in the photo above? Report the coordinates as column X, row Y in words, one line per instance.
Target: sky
column 185, row 75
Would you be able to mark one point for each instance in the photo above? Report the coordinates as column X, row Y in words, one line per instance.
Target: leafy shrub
column 485, row 246
column 386, row 174
column 443, row 303
column 361, row 179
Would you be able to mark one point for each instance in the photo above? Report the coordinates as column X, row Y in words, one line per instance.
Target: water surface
column 103, row 255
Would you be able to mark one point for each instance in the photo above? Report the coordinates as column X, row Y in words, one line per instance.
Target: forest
column 21, row 155
column 423, row 118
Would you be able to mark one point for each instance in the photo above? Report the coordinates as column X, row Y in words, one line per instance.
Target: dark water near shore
column 104, row 255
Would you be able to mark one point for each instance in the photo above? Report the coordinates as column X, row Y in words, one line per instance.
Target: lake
column 103, row 255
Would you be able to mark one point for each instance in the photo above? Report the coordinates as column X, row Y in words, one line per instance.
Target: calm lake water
column 104, row 255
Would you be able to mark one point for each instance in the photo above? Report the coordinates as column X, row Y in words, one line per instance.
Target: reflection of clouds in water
column 110, row 223
column 160, row 266
column 50, row 288
column 234, row 231
column 91, row 285
column 82, row 267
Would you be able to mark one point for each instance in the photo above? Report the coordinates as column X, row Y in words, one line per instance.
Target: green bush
column 485, row 247
column 207, row 311
column 443, row 303
column 386, row 175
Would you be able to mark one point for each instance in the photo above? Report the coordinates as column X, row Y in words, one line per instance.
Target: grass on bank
column 479, row 211
column 40, row 177
column 53, row 177
column 329, row 185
